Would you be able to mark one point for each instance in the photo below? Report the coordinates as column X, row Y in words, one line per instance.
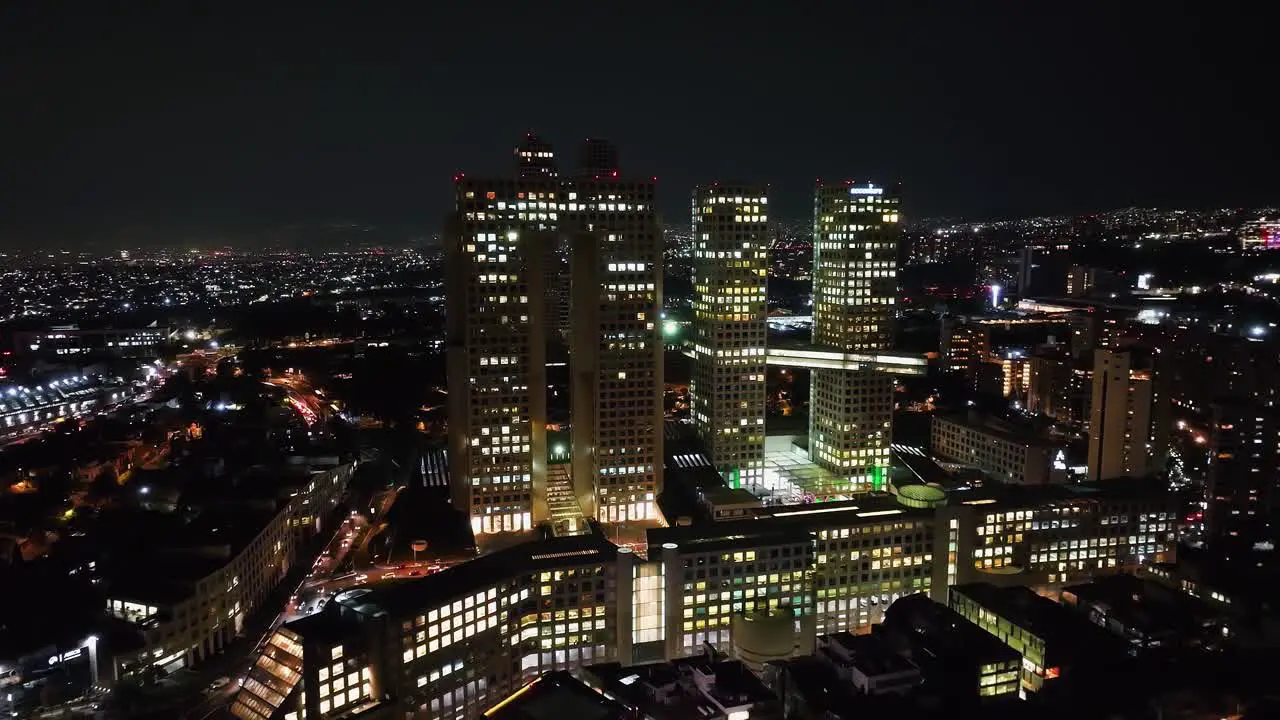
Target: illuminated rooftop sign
column 869, row 190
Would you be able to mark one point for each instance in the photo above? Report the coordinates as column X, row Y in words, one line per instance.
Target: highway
column 305, row 398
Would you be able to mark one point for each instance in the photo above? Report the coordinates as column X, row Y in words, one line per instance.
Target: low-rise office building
column 957, row 659
column 1067, row 533
column 63, row 341
column 191, row 600
column 1010, row 454
column 24, row 407
column 450, row 644
column 196, row 577
column 1148, row 615
column 868, row 664
column 1053, row 641
column 57, row 669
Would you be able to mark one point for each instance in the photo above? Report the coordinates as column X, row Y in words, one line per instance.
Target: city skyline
column 335, row 116
column 450, row 362
column 529, row 453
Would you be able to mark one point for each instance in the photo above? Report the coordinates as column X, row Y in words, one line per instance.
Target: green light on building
column 878, row 474
column 670, row 328
column 734, row 477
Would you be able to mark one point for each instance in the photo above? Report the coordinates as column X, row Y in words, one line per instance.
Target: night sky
column 242, row 115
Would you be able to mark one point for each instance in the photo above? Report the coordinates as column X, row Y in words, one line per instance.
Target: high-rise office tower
column 1129, row 416
column 1061, row 386
column 1079, row 281
column 535, row 159
column 730, row 270
column 963, row 345
column 855, row 288
column 1099, row 327
column 855, row 282
column 506, row 250
column 495, row 251
column 1083, row 281
column 599, row 160
column 1243, row 491
column 1026, row 262
column 615, row 353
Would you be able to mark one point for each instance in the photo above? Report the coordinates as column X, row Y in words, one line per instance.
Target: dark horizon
column 217, row 122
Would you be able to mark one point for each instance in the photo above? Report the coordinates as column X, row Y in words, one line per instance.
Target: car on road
column 361, row 578
column 220, row 683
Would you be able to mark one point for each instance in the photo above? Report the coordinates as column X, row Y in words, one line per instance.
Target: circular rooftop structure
column 922, row 496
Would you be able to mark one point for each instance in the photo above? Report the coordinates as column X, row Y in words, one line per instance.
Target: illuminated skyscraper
column 599, row 160
column 855, row 283
column 495, row 251
column 855, row 288
column 507, row 278
column 730, row 270
column 615, row 353
column 1243, row 488
column 535, row 159
column 1129, row 416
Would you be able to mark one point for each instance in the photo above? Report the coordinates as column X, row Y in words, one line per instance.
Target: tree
column 105, row 485
column 55, row 487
